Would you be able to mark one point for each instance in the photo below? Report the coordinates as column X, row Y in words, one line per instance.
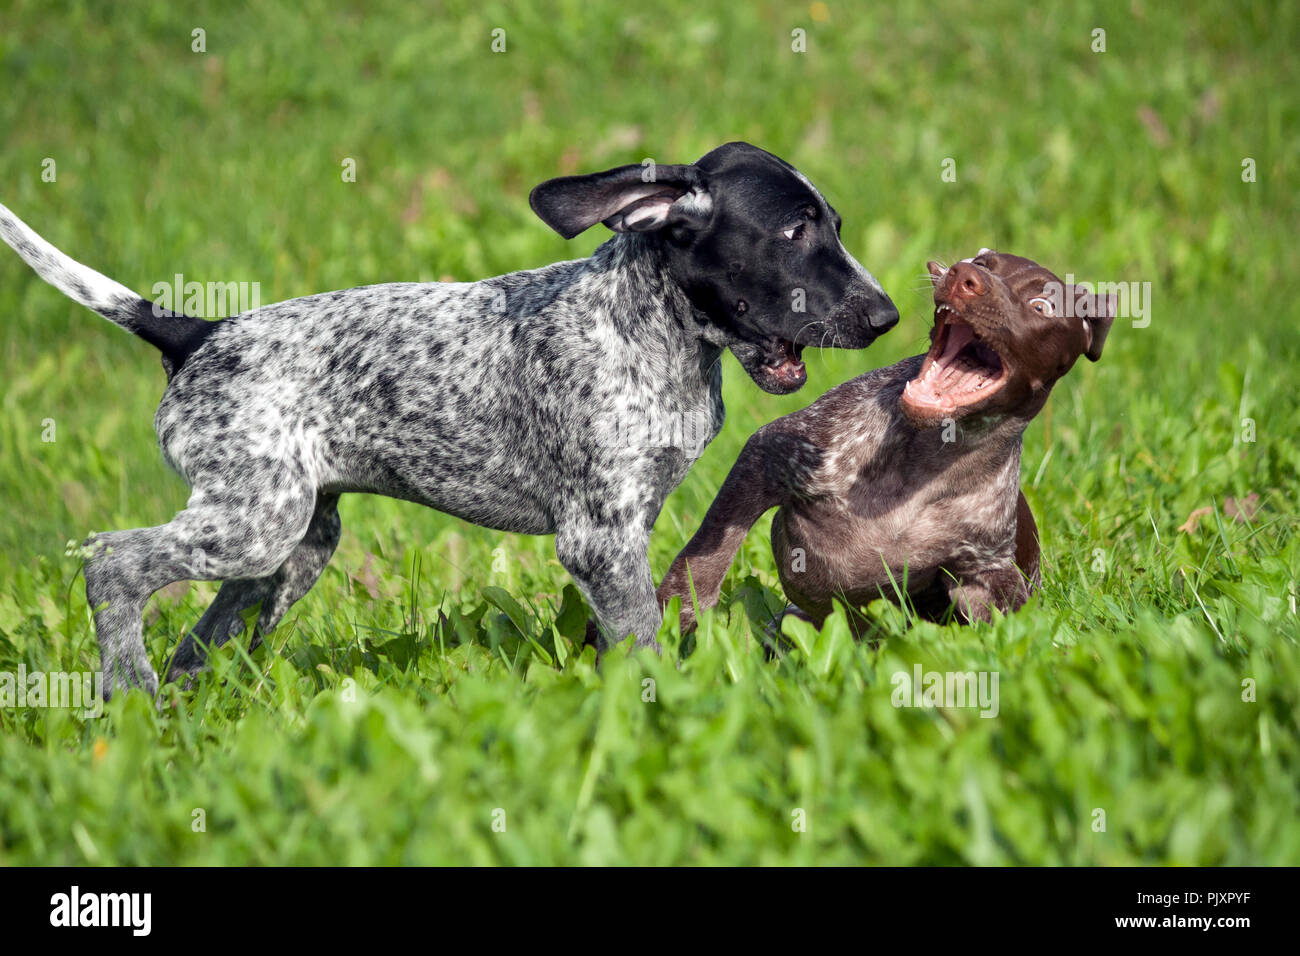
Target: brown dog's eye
column 1042, row 306
column 794, row 232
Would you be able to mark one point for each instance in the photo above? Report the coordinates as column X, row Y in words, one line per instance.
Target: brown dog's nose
column 966, row 281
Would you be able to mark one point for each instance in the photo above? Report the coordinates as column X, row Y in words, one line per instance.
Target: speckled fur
column 505, row 402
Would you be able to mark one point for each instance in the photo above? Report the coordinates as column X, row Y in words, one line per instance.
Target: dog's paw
column 126, row 676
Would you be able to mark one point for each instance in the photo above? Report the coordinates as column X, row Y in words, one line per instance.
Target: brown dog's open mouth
column 960, row 368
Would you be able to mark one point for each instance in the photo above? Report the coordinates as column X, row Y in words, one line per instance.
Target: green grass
column 431, row 679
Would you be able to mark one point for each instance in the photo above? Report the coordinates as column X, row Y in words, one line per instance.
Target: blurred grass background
column 1121, row 685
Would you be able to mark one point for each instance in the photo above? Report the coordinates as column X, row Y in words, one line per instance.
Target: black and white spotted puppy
column 564, row 400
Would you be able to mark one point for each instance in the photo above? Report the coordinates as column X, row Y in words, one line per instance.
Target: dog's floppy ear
column 637, row 198
column 1101, row 313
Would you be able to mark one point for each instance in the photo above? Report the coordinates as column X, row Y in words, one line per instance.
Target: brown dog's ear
column 1099, row 323
column 636, row 198
column 1097, row 313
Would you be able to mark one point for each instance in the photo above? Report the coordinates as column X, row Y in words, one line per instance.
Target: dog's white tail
column 175, row 335
column 80, row 283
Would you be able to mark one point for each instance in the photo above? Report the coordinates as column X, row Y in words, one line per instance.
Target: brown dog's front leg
column 1001, row 586
column 1027, row 547
column 747, row 493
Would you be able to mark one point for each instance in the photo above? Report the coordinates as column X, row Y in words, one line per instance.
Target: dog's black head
column 751, row 242
column 1005, row 329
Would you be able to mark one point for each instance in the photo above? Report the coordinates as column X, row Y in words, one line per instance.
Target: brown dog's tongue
column 959, row 336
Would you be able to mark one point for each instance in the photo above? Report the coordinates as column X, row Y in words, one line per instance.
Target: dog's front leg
column 1027, row 545
column 748, row 492
column 611, row 567
column 976, row 593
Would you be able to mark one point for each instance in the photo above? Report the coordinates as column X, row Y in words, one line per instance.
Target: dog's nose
column 965, row 281
column 883, row 316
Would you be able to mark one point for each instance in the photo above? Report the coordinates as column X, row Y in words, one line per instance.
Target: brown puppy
column 909, row 476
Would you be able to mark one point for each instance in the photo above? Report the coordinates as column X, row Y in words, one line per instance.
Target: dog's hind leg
column 220, row 535
column 276, row 593
column 223, row 620
column 220, row 622
column 302, row 569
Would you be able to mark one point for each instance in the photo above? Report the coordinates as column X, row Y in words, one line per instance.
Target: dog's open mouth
column 783, row 364
column 774, row 364
column 960, row 368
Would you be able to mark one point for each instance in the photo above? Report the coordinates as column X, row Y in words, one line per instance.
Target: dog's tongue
column 958, row 374
column 959, row 336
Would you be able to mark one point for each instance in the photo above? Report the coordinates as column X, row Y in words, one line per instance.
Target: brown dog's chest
column 886, row 534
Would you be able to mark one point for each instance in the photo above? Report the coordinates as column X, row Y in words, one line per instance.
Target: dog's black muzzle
column 862, row 316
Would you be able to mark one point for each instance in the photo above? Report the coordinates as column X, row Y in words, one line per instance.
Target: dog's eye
column 1042, row 306
column 794, row 232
